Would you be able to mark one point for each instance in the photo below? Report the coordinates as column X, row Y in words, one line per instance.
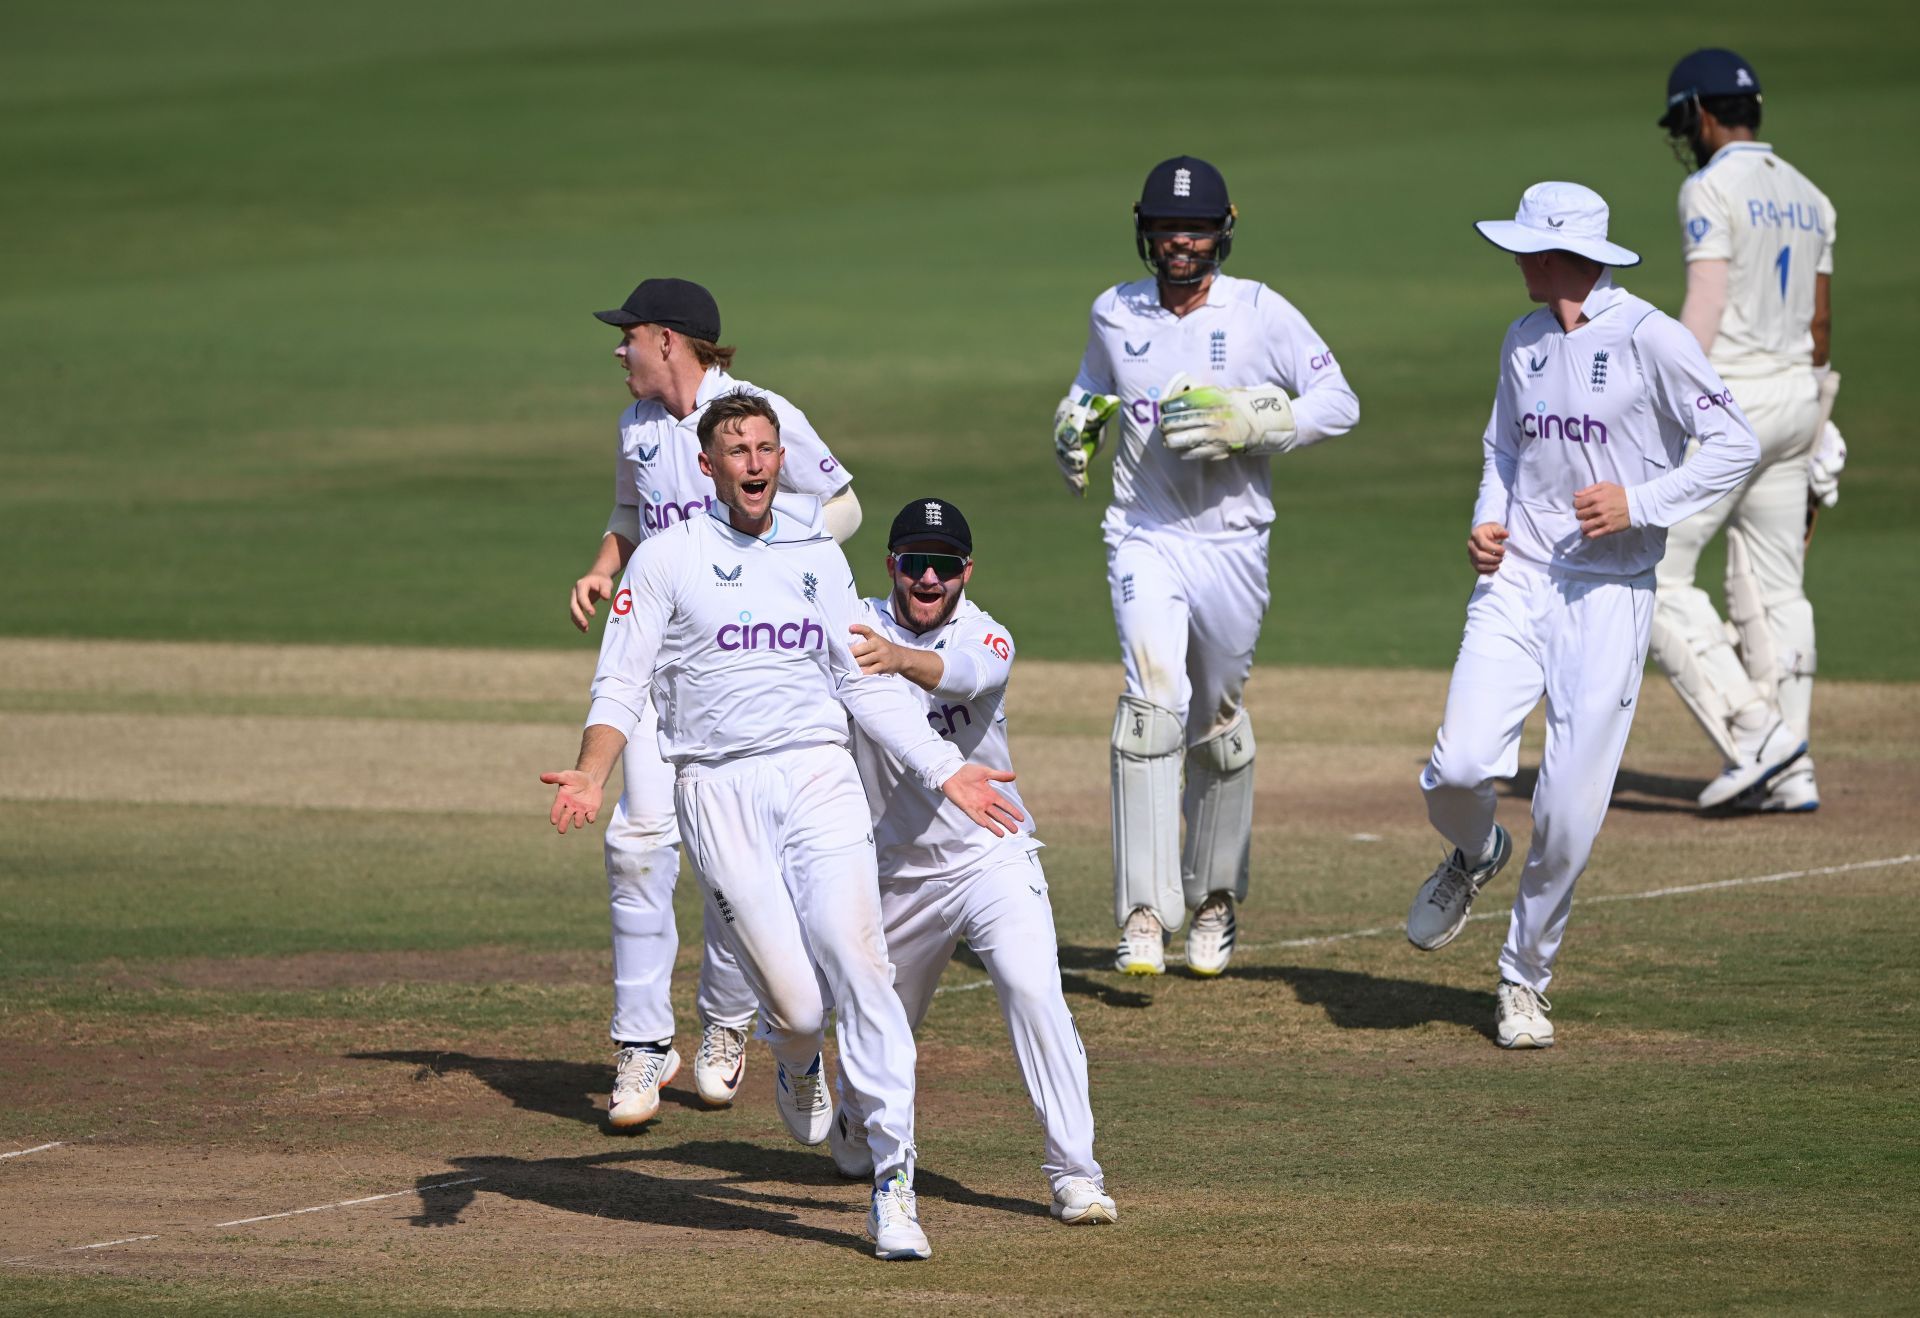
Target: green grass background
column 294, row 338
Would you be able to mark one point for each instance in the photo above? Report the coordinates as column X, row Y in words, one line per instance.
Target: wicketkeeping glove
column 1209, row 422
column 1077, row 424
column 1824, row 465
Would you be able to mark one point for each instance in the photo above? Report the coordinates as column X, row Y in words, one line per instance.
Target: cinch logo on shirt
column 1707, row 402
column 662, row 513
column 1320, row 362
column 943, row 719
column 750, row 635
column 1581, row 429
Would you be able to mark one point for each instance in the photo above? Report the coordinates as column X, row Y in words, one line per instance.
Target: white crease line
column 38, row 1148
column 348, row 1203
column 1380, row 931
column 107, row 1244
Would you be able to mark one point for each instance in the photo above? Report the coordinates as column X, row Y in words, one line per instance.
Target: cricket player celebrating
column 1598, row 393
column 942, row 878
column 1758, row 239
column 1210, row 377
column 669, row 349
column 735, row 624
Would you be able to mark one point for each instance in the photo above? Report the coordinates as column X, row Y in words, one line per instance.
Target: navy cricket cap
column 931, row 519
column 1184, row 188
column 675, row 304
column 1707, row 73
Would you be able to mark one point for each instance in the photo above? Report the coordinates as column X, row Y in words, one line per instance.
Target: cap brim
column 1512, row 236
column 619, row 316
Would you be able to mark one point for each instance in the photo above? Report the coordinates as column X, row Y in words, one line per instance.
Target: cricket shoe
column 894, row 1221
column 638, row 1075
column 1143, row 945
column 802, row 1099
column 1792, row 793
column 720, row 1064
column 1441, row 906
column 852, row 1157
column 1081, row 1202
column 1210, row 936
column 1762, row 756
column 1521, row 1021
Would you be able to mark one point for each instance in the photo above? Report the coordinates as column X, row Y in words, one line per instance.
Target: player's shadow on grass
column 559, row 1089
column 1640, row 793
column 1357, row 1001
column 1072, row 959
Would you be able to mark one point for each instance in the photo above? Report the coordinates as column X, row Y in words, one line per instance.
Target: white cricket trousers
column 1002, row 912
column 1582, row 643
column 783, row 845
column 643, row 866
column 1188, row 609
column 1771, row 511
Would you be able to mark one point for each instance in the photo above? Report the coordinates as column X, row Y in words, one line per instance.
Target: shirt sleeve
column 1096, row 370
column 1324, row 404
column 1704, row 232
column 978, row 662
column 809, row 466
column 642, row 607
column 1499, row 450
column 886, row 706
column 1688, row 398
column 626, row 472
column 1824, row 266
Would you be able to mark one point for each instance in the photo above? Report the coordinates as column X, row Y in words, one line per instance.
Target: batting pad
column 1219, row 809
column 1147, row 740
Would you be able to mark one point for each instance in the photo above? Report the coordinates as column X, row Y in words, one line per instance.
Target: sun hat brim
column 1512, row 236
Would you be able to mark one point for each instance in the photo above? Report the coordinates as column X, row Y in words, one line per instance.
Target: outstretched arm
column 576, row 798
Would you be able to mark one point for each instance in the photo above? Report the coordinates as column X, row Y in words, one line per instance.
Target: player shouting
column 738, row 625
column 669, row 333
column 1597, row 394
column 1758, row 239
column 941, row 878
column 1198, row 366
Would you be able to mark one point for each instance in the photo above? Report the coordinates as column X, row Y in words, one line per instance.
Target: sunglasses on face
column 914, row 566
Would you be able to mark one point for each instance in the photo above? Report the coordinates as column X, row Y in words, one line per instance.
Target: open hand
column 972, row 790
column 576, row 802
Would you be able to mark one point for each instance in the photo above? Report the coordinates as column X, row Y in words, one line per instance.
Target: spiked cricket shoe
column 1440, row 908
column 1081, row 1202
column 894, row 1222
column 1520, row 1020
column 1210, row 936
column 720, row 1064
column 1143, row 945
column 1762, row 757
column 802, row 1099
column 637, row 1077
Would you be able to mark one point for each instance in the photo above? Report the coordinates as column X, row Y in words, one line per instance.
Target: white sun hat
column 1558, row 217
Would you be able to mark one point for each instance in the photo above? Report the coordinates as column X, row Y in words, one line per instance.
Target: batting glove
column 1209, row 422
column 1077, row 424
column 1824, row 465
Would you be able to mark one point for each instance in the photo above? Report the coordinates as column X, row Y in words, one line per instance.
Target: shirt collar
column 714, row 383
column 721, row 514
column 1602, row 296
column 1735, row 148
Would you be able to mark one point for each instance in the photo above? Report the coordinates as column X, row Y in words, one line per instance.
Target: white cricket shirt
column 1245, row 334
column 658, row 469
column 1775, row 231
column 1614, row 400
column 742, row 643
column 919, row 833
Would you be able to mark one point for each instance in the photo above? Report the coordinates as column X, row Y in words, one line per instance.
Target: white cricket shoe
column 720, row 1064
column 802, row 1099
column 852, row 1158
column 1440, row 908
column 1081, row 1202
column 638, row 1074
column 1521, row 1019
column 1210, row 936
column 1793, row 792
column 894, row 1222
column 1143, row 945
column 1762, row 756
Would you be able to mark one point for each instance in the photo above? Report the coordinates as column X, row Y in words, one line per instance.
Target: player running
column 1758, row 240
column 669, row 347
column 1597, row 395
column 1198, row 366
column 941, row 878
column 735, row 623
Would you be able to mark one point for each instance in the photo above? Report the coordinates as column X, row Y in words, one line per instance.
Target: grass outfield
column 285, row 931
column 294, row 337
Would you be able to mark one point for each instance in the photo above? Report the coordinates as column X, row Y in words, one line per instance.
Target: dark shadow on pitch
column 1079, row 986
column 1633, row 791
column 574, row 1090
column 1354, row 1000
